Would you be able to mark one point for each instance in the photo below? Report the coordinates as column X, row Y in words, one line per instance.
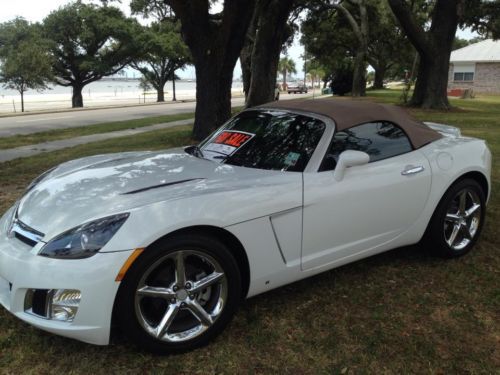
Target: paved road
column 35, row 123
column 24, row 151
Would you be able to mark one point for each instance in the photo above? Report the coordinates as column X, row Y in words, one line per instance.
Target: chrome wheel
column 462, row 219
column 181, row 295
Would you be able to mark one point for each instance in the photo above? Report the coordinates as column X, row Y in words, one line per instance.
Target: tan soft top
column 349, row 113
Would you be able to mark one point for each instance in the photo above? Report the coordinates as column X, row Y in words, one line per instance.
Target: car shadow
column 409, row 256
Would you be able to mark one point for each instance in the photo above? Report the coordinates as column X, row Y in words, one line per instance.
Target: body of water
column 97, row 93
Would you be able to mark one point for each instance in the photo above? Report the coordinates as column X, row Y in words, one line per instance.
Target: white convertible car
column 166, row 244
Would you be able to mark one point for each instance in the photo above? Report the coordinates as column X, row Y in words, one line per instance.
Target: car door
column 372, row 205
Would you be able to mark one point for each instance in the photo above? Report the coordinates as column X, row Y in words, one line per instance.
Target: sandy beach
column 97, row 94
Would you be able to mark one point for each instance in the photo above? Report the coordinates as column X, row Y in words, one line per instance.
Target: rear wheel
column 180, row 295
column 458, row 220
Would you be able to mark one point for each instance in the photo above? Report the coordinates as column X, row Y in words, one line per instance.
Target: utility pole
column 305, row 65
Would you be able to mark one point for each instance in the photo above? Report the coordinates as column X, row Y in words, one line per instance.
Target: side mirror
column 349, row 158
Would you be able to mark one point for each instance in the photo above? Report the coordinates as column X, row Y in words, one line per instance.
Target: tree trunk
column 432, row 82
column 361, row 32
column 246, row 70
column 174, row 97
column 215, row 43
column 246, row 54
column 378, row 82
column 359, row 79
column 77, row 98
column 160, row 94
column 271, row 34
column 434, row 48
column 213, row 98
column 22, row 101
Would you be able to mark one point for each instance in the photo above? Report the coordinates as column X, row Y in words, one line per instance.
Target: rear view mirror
column 349, row 158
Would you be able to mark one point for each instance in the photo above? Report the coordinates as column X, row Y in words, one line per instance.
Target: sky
column 36, row 10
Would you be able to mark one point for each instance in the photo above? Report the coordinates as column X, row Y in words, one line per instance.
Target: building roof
column 486, row 51
column 349, row 113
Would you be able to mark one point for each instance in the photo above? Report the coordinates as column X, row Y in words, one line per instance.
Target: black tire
column 127, row 308
column 289, row 92
column 441, row 227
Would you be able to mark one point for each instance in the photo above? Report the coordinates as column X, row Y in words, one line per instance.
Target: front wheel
column 179, row 295
column 458, row 220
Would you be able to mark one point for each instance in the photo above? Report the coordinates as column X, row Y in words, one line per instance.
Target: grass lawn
column 400, row 312
column 57, row 134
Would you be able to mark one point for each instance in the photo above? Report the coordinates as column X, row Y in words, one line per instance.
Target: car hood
column 90, row 188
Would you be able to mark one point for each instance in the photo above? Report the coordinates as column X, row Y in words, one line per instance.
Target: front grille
column 25, row 240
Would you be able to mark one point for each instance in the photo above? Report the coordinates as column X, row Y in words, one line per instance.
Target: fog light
column 55, row 304
column 63, row 304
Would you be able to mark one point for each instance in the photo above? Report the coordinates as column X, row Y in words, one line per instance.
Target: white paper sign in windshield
column 225, row 144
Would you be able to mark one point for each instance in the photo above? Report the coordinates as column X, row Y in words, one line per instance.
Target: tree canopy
column 162, row 53
column 24, row 61
column 286, row 66
column 329, row 37
column 89, row 42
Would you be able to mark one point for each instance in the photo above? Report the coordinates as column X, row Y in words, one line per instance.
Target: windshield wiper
column 195, row 150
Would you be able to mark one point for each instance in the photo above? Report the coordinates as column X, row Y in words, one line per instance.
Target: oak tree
column 215, row 39
column 270, row 31
column 433, row 37
column 89, row 43
column 162, row 53
column 24, row 61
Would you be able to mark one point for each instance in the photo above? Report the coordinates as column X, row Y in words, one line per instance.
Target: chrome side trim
column 26, row 231
column 160, row 186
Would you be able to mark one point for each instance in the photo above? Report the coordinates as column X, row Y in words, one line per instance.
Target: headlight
column 9, row 218
column 85, row 240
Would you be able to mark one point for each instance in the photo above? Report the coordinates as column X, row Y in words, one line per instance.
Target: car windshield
column 265, row 139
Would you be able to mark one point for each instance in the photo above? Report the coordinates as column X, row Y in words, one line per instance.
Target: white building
column 476, row 66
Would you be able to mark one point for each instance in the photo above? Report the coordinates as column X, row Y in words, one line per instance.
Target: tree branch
column 416, row 34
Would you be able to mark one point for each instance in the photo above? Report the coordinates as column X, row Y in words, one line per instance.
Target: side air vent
column 160, row 186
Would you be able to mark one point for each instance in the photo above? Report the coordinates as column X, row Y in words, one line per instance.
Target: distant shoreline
column 112, row 91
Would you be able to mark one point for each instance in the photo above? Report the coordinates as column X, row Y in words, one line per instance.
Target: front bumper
column 21, row 269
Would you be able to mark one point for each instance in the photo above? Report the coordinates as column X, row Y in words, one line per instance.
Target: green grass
column 58, row 134
column 400, row 312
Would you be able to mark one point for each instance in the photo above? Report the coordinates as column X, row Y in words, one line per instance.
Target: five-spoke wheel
column 180, row 294
column 462, row 219
column 458, row 219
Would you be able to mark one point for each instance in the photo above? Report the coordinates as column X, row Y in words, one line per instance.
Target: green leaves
column 287, row 65
column 162, row 51
column 24, row 61
column 89, row 42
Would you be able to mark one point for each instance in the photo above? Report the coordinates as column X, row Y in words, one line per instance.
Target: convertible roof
column 349, row 113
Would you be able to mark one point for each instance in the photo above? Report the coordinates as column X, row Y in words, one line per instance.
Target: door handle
column 412, row 170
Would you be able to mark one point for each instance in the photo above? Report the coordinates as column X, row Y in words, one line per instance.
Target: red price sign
column 234, row 139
